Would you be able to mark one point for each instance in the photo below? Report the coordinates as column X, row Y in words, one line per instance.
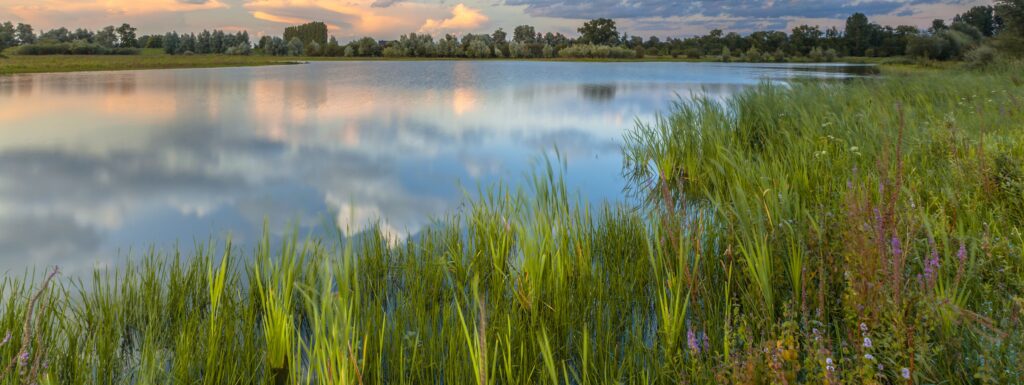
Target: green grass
column 11, row 63
column 15, row 64
column 769, row 237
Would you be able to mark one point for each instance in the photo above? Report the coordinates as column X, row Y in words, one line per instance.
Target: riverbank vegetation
column 147, row 59
column 862, row 232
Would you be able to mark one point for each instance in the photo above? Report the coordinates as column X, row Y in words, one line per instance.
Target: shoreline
column 18, row 64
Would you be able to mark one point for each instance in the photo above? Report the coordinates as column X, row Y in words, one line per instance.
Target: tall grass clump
column 841, row 233
column 869, row 230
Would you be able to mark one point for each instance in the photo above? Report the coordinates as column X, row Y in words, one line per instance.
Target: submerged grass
column 860, row 232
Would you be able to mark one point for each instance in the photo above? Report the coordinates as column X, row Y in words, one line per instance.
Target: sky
column 388, row 19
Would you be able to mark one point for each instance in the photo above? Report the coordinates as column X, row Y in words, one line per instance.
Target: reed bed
column 859, row 232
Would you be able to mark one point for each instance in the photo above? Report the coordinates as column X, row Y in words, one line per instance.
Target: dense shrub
column 78, row 47
column 981, row 56
column 596, row 52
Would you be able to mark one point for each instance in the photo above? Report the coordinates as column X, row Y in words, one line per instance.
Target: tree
column 80, row 34
column 295, row 46
column 805, row 38
column 858, row 34
column 204, row 42
column 1011, row 13
column 25, row 34
column 499, row 36
column 313, row 49
column 171, row 43
column 155, row 41
column 1010, row 37
column 982, row 17
column 524, row 34
column 599, row 31
column 217, row 43
column 7, row 39
column 126, row 35
column 307, row 33
column 937, row 26
column 106, row 37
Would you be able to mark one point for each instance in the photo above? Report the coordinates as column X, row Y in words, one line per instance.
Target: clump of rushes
column 864, row 232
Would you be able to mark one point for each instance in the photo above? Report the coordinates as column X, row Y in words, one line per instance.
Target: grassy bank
column 859, row 232
column 156, row 59
column 150, row 59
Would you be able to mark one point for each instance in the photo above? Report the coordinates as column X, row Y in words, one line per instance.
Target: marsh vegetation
column 818, row 232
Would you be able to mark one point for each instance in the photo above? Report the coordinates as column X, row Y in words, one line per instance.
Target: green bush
column 982, row 56
column 596, row 52
column 78, row 47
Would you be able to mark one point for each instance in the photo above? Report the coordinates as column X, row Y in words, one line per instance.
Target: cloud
column 349, row 18
column 462, row 18
column 584, row 9
column 384, row 3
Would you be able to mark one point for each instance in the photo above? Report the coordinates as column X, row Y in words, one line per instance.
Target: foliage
column 857, row 232
column 78, row 47
column 596, row 51
column 308, row 33
column 599, row 32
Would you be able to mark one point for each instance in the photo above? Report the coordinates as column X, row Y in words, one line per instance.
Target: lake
column 93, row 165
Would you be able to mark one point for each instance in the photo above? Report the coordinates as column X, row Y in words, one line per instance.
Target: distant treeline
column 62, row 41
column 977, row 32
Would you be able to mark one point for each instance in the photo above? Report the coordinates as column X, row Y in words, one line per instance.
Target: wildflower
column 863, row 327
column 7, row 339
column 869, row 357
column 829, row 366
column 896, row 249
column 881, row 367
column 691, row 341
column 905, row 373
column 23, row 359
column 961, row 255
column 867, row 342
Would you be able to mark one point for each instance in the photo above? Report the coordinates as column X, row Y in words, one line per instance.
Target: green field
column 857, row 232
column 150, row 59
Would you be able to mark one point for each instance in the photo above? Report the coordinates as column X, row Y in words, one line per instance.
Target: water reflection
column 598, row 92
column 93, row 163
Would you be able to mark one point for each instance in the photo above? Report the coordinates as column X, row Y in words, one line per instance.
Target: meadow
column 858, row 232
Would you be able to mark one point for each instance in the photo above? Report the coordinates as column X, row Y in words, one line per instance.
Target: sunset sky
column 390, row 18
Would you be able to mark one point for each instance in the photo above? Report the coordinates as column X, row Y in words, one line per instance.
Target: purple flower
column 7, row 339
column 897, row 250
column 905, row 373
column 869, row 357
column 863, row 327
column 23, row 359
column 961, row 255
column 867, row 342
column 691, row 341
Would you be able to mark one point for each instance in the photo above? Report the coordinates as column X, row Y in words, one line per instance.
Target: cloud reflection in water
column 94, row 163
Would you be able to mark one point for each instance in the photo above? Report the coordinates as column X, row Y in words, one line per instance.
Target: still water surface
column 93, row 165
